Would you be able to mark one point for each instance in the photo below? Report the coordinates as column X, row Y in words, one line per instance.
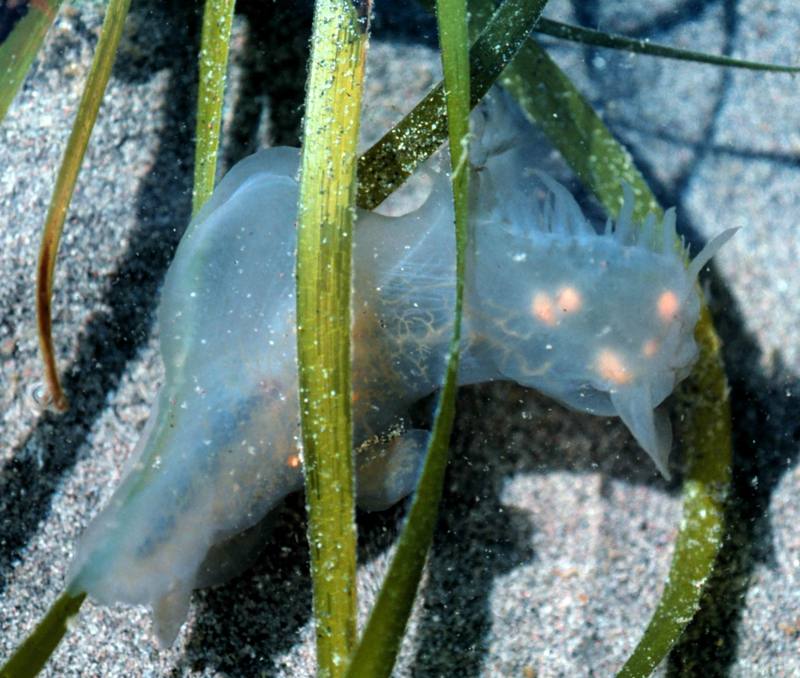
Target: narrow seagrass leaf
column 213, row 62
column 20, row 40
column 325, row 223
column 705, row 433
column 65, row 184
column 380, row 643
column 31, row 656
column 587, row 36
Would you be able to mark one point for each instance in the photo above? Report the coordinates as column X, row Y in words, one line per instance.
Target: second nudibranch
column 602, row 322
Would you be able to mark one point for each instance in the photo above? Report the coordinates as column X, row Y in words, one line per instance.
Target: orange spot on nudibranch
column 569, row 299
column 649, row 348
column 610, row 366
column 668, row 306
column 542, row 308
column 293, row 461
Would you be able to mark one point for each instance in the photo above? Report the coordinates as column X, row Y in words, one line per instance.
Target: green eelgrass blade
column 19, row 48
column 377, row 652
column 393, row 158
column 550, row 99
column 65, row 184
column 31, row 656
column 587, row 36
column 705, row 430
column 217, row 20
column 325, row 225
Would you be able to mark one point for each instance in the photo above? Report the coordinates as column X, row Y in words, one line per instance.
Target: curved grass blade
column 31, row 656
column 325, row 224
column 587, row 36
column 377, row 652
column 392, row 159
column 550, row 99
column 214, row 42
column 65, row 184
column 705, row 429
column 19, row 43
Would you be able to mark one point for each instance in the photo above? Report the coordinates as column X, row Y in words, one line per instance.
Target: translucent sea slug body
column 600, row 322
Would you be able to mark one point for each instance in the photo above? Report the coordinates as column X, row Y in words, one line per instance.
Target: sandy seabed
column 556, row 533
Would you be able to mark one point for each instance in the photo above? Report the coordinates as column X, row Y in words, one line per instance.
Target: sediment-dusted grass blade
column 602, row 163
column 588, row 36
column 325, row 226
column 34, row 652
column 65, row 184
column 392, row 159
column 377, row 652
column 213, row 60
column 705, row 431
column 20, row 46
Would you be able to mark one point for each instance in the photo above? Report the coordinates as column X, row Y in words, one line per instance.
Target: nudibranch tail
column 216, row 455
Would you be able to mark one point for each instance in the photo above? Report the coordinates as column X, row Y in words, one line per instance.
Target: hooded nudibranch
column 601, row 321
